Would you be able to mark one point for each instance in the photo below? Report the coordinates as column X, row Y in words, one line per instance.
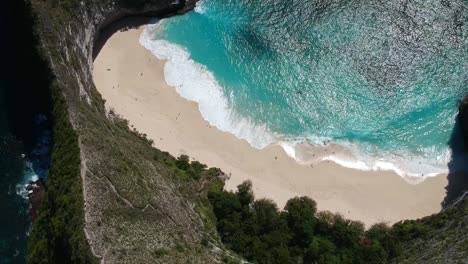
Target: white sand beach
column 131, row 80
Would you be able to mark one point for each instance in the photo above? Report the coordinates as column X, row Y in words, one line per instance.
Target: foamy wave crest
column 195, row 82
column 411, row 170
column 411, row 167
column 29, row 176
column 200, row 7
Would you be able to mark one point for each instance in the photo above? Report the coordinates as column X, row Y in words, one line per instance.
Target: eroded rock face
column 463, row 117
column 135, row 210
column 37, row 191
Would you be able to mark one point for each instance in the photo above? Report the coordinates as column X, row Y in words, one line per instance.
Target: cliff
column 440, row 238
column 138, row 206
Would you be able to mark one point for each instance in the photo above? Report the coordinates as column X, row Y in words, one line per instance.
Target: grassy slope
column 440, row 238
column 58, row 233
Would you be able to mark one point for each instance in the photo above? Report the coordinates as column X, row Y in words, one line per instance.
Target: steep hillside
column 140, row 205
column 441, row 238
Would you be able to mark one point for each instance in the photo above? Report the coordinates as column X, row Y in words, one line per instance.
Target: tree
column 324, row 225
column 183, row 162
column 347, row 233
column 267, row 215
column 382, row 235
column 321, row 250
column 245, row 193
column 300, row 216
column 226, row 207
column 280, row 255
column 260, row 233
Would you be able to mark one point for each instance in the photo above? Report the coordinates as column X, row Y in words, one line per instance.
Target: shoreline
column 195, row 83
column 132, row 82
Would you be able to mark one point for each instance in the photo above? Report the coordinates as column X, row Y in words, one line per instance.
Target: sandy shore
column 132, row 82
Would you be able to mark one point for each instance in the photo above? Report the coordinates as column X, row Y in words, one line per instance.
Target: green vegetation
column 58, row 233
column 259, row 232
column 439, row 238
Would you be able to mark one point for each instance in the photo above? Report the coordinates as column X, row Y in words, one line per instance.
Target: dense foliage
column 261, row 233
column 58, row 233
column 258, row 231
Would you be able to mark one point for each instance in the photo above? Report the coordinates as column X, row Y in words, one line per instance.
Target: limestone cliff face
column 136, row 209
column 463, row 116
column 76, row 27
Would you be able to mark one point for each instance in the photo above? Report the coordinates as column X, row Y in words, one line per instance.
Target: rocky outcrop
column 463, row 118
column 80, row 24
column 36, row 191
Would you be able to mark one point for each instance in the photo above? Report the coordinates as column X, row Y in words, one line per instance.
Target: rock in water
column 37, row 191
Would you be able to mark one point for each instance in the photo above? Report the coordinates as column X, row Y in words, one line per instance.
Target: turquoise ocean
column 378, row 82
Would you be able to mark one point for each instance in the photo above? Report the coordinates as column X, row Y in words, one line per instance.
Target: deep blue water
column 14, row 220
column 19, row 164
column 25, row 128
column 381, row 78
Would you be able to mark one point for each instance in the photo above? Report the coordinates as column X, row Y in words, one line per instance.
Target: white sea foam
column 411, row 167
column 200, row 7
column 29, row 176
column 289, row 148
column 410, row 170
column 195, row 82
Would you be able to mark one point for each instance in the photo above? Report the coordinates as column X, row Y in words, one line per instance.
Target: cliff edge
column 139, row 205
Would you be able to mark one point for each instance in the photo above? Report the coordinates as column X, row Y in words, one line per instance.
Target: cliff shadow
column 458, row 166
column 27, row 77
column 27, row 98
column 118, row 25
